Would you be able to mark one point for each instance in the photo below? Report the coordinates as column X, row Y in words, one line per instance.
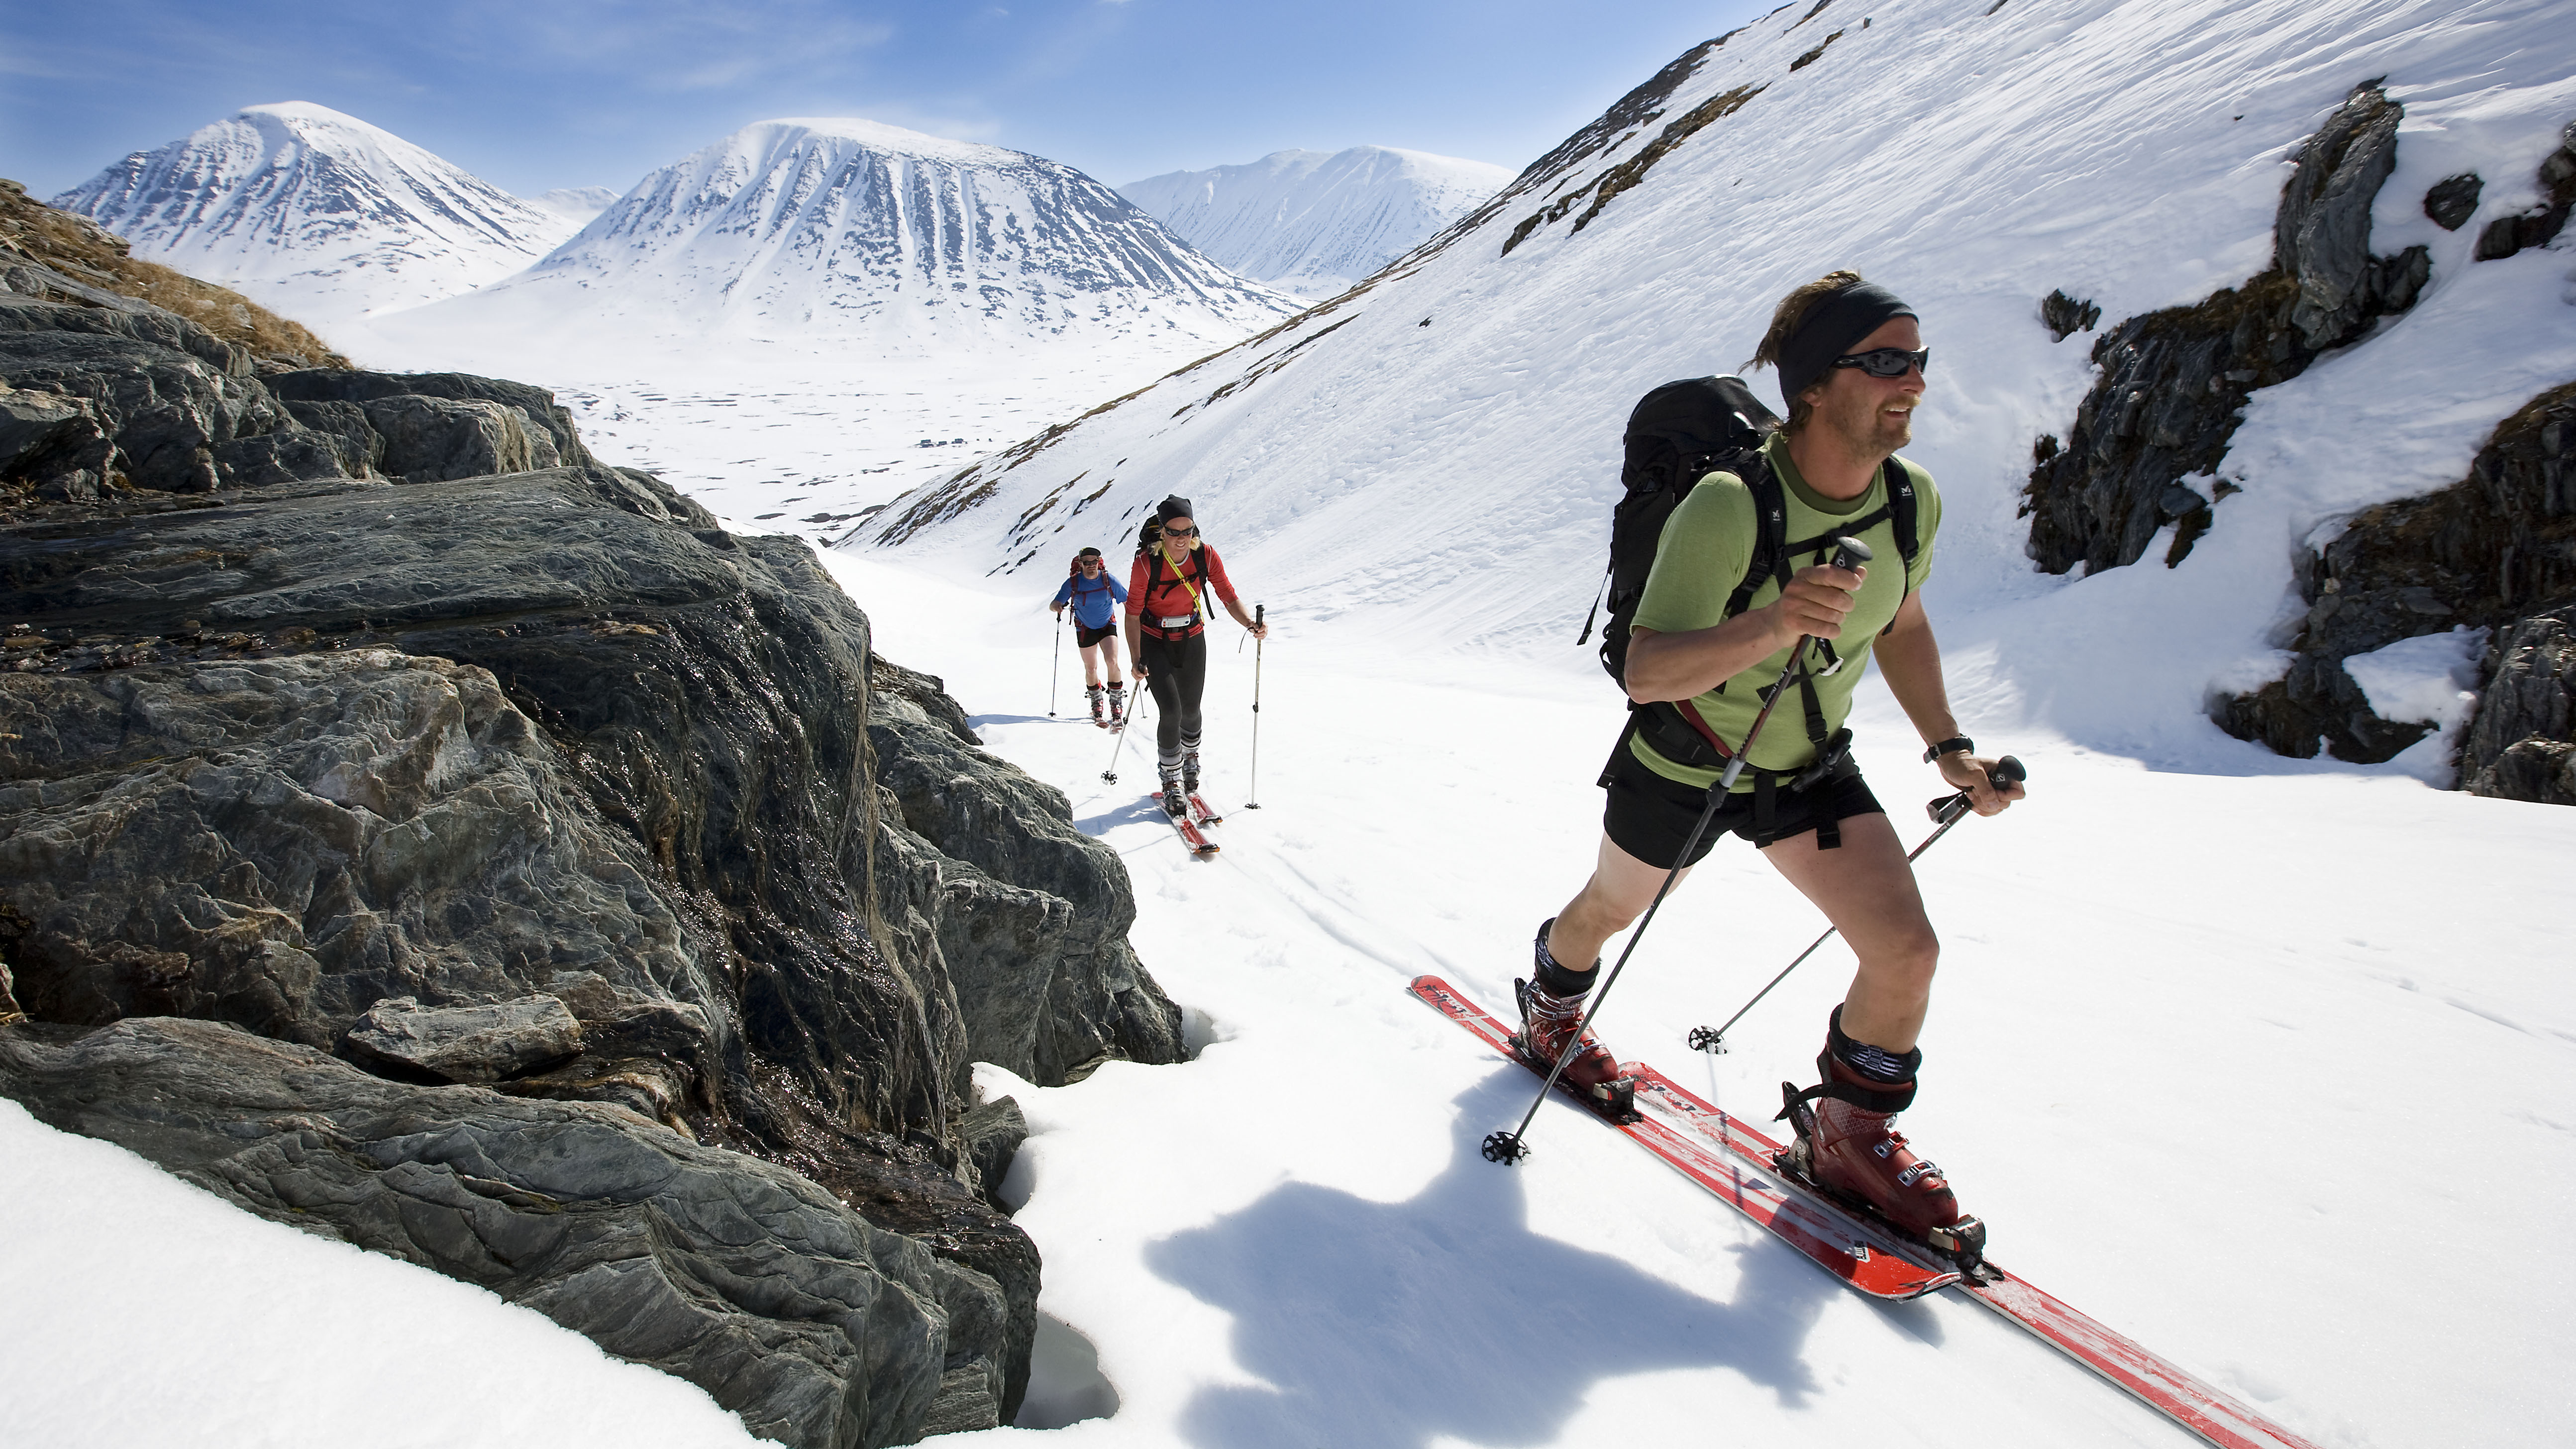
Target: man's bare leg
column 1621, row 888
column 1866, row 888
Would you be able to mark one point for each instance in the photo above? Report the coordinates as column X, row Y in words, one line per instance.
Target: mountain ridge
column 1313, row 222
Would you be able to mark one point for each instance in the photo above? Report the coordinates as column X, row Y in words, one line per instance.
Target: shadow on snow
column 1391, row 1325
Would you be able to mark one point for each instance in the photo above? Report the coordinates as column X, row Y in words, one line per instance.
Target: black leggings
column 1177, row 674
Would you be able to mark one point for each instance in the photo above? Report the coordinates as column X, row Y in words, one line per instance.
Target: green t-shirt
column 1706, row 547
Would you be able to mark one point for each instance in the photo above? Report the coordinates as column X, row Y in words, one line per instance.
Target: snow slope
column 316, row 215
column 1314, row 222
column 1438, row 451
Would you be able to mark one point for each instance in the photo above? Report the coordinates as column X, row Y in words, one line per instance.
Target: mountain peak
column 1314, row 222
column 315, row 213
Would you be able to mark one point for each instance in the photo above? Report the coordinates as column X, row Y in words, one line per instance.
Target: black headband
column 1830, row 328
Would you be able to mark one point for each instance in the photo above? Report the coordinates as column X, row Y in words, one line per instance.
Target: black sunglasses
column 1888, row 361
column 1171, row 532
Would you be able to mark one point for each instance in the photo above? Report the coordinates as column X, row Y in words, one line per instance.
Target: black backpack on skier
column 1678, row 434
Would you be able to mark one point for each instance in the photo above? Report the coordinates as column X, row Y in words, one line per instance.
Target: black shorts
column 1650, row 817
column 1084, row 636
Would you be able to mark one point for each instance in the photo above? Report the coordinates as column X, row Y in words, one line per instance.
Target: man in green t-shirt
column 1851, row 360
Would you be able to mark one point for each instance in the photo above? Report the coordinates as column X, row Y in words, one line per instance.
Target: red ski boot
column 1848, row 1142
column 1548, row 1022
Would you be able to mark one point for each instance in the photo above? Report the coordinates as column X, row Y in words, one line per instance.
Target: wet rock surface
column 2496, row 550
column 790, row 1309
column 284, row 750
column 2173, row 384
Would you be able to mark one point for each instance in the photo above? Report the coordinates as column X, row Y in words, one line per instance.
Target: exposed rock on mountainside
column 2495, row 550
column 848, row 227
column 65, row 258
column 381, row 768
column 2523, row 744
column 2173, row 383
column 317, row 213
column 1312, row 222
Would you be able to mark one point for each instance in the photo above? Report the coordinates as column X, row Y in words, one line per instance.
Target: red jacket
column 1155, row 592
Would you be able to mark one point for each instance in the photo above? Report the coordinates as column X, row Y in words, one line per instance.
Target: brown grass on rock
column 32, row 232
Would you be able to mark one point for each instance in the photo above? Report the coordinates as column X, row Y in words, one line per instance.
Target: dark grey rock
column 314, row 742
column 451, row 1044
column 2539, row 226
column 2453, row 200
column 282, row 843
column 534, row 404
column 2322, row 233
column 2172, row 384
column 2522, row 745
column 991, row 1136
column 432, row 440
column 2494, row 550
column 164, row 408
column 819, row 1329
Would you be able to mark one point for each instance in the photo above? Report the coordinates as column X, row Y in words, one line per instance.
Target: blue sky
column 532, row 94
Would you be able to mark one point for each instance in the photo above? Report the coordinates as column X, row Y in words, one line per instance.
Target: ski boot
column 1190, row 772
column 1847, row 1143
column 1117, row 704
column 1098, row 701
column 1176, row 802
column 1549, row 1021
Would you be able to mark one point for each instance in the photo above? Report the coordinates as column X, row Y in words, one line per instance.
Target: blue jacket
column 1091, row 601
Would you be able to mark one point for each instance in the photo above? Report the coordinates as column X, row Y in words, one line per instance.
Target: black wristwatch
column 1954, row 745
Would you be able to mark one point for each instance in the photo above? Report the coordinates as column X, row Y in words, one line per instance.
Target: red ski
column 1201, row 815
column 1199, row 844
column 2213, row 1416
column 1867, row 1257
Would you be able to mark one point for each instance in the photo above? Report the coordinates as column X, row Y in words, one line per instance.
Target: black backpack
column 1678, row 434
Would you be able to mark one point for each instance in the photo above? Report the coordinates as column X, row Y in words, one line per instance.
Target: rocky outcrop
column 2540, row 225
column 2522, row 745
column 2173, row 384
column 818, row 1328
column 2493, row 550
column 378, row 762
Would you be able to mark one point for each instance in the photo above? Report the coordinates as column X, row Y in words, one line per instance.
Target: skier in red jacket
column 1167, row 616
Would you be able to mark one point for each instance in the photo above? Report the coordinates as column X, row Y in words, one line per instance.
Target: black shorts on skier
column 1709, row 639
column 1094, row 596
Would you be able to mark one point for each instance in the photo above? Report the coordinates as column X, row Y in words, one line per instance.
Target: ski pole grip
column 2007, row 771
column 1850, row 553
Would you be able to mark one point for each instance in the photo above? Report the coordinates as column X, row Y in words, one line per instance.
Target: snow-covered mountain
column 316, row 215
column 852, row 229
column 577, row 203
column 1314, row 222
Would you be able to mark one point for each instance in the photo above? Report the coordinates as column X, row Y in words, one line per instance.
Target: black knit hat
column 1174, row 506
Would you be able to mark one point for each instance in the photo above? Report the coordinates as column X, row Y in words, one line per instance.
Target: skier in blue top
column 1094, row 596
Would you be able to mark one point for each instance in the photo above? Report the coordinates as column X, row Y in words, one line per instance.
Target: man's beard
column 1875, row 432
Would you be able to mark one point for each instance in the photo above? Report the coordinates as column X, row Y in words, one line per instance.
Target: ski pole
column 1947, row 811
column 1119, row 748
column 1509, row 1147
column 1055, row 671
column 1254, row 788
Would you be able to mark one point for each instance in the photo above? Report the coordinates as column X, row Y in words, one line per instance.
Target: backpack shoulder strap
column 1770, row 534
column 1901, row 520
